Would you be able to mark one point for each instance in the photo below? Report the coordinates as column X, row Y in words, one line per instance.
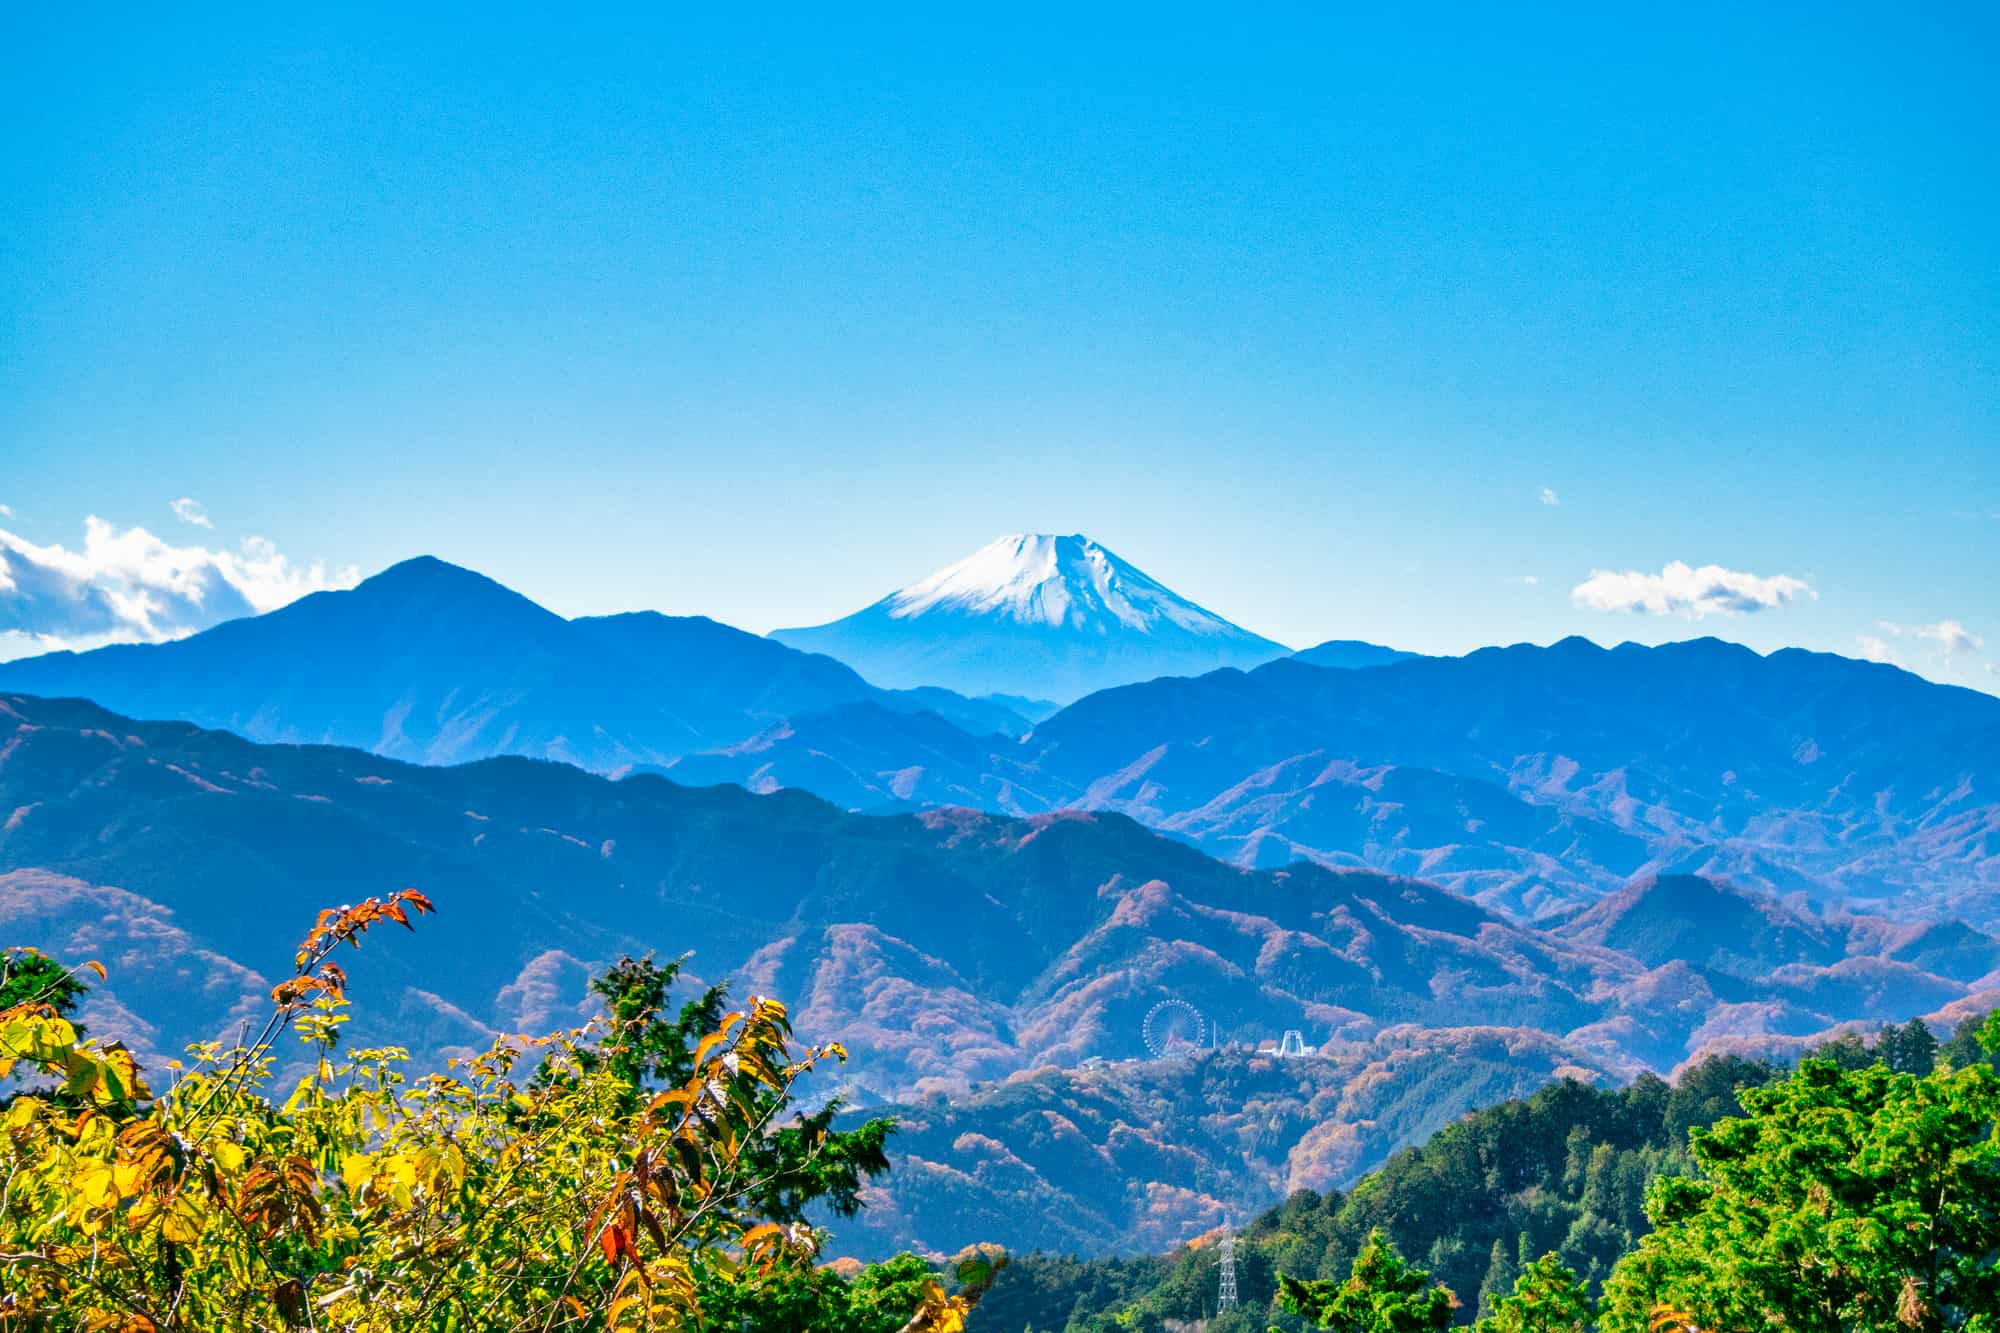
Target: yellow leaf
column 96, row 1184
column 293, row 1102
column 184, row 1220
column 121, row 1064
column 357, row 1169
column 708, row 1043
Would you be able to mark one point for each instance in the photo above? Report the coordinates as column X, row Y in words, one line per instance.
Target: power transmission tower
column 1225, row 1296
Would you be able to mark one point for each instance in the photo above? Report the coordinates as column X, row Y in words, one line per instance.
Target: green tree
column 1384, row 1294
column 1501, row 1272
column 1850, row 1050
column 644, row 1046
column 1844, row 1200
column 650, row 1044
column 28, row 976
column 1547, row 1299
column 1964, row 1048
column 33, row 982
column 820, row 1299
column 1910, row 1049
column 1707, row 1092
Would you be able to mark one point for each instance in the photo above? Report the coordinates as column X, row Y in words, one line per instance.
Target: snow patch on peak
column 1055, row 617
column 1037, row 579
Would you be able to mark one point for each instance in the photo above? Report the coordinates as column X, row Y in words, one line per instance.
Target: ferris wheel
column 1174, row 1029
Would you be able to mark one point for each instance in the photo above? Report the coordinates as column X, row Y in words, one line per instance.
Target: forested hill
column 1565, row 1171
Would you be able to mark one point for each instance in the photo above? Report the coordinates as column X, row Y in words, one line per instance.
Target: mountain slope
column 1033, row 615
column 1565, row 1170
column 947, row 948
column 1534, row 779
column 863, row 756
column 1132, row 1157
column 1857, row 783
column 436, row 664
column 1015, row 941
column 1683, row 918
column 949, row 945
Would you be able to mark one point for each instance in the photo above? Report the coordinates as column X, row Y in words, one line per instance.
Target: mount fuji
column 1034, row 615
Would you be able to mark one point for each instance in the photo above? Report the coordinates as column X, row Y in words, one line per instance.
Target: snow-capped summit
column 1031, row 614
column 1041, row 580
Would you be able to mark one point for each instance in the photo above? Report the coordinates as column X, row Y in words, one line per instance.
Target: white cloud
column 1681, row 590
column 6, row 511
column 132, row 587
column 1942, row 650
column 191, row 511
column 1952, row 638
column 1526, row 580
column 1550, row 498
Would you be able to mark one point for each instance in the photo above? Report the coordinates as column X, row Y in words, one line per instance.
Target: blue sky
column 1308, row 312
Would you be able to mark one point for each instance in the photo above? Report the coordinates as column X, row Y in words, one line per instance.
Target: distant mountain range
column 1036, row 615
column 1017, row 942
column 949, row 945
column 1533, row 779
column 948, row 948
column 1457, row 876
column 436, row 664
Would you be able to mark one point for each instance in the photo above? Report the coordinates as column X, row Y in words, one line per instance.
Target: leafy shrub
column 632, row 1174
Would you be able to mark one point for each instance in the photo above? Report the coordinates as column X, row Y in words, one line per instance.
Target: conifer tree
column 1384, row 1294
column 1546, row 1299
